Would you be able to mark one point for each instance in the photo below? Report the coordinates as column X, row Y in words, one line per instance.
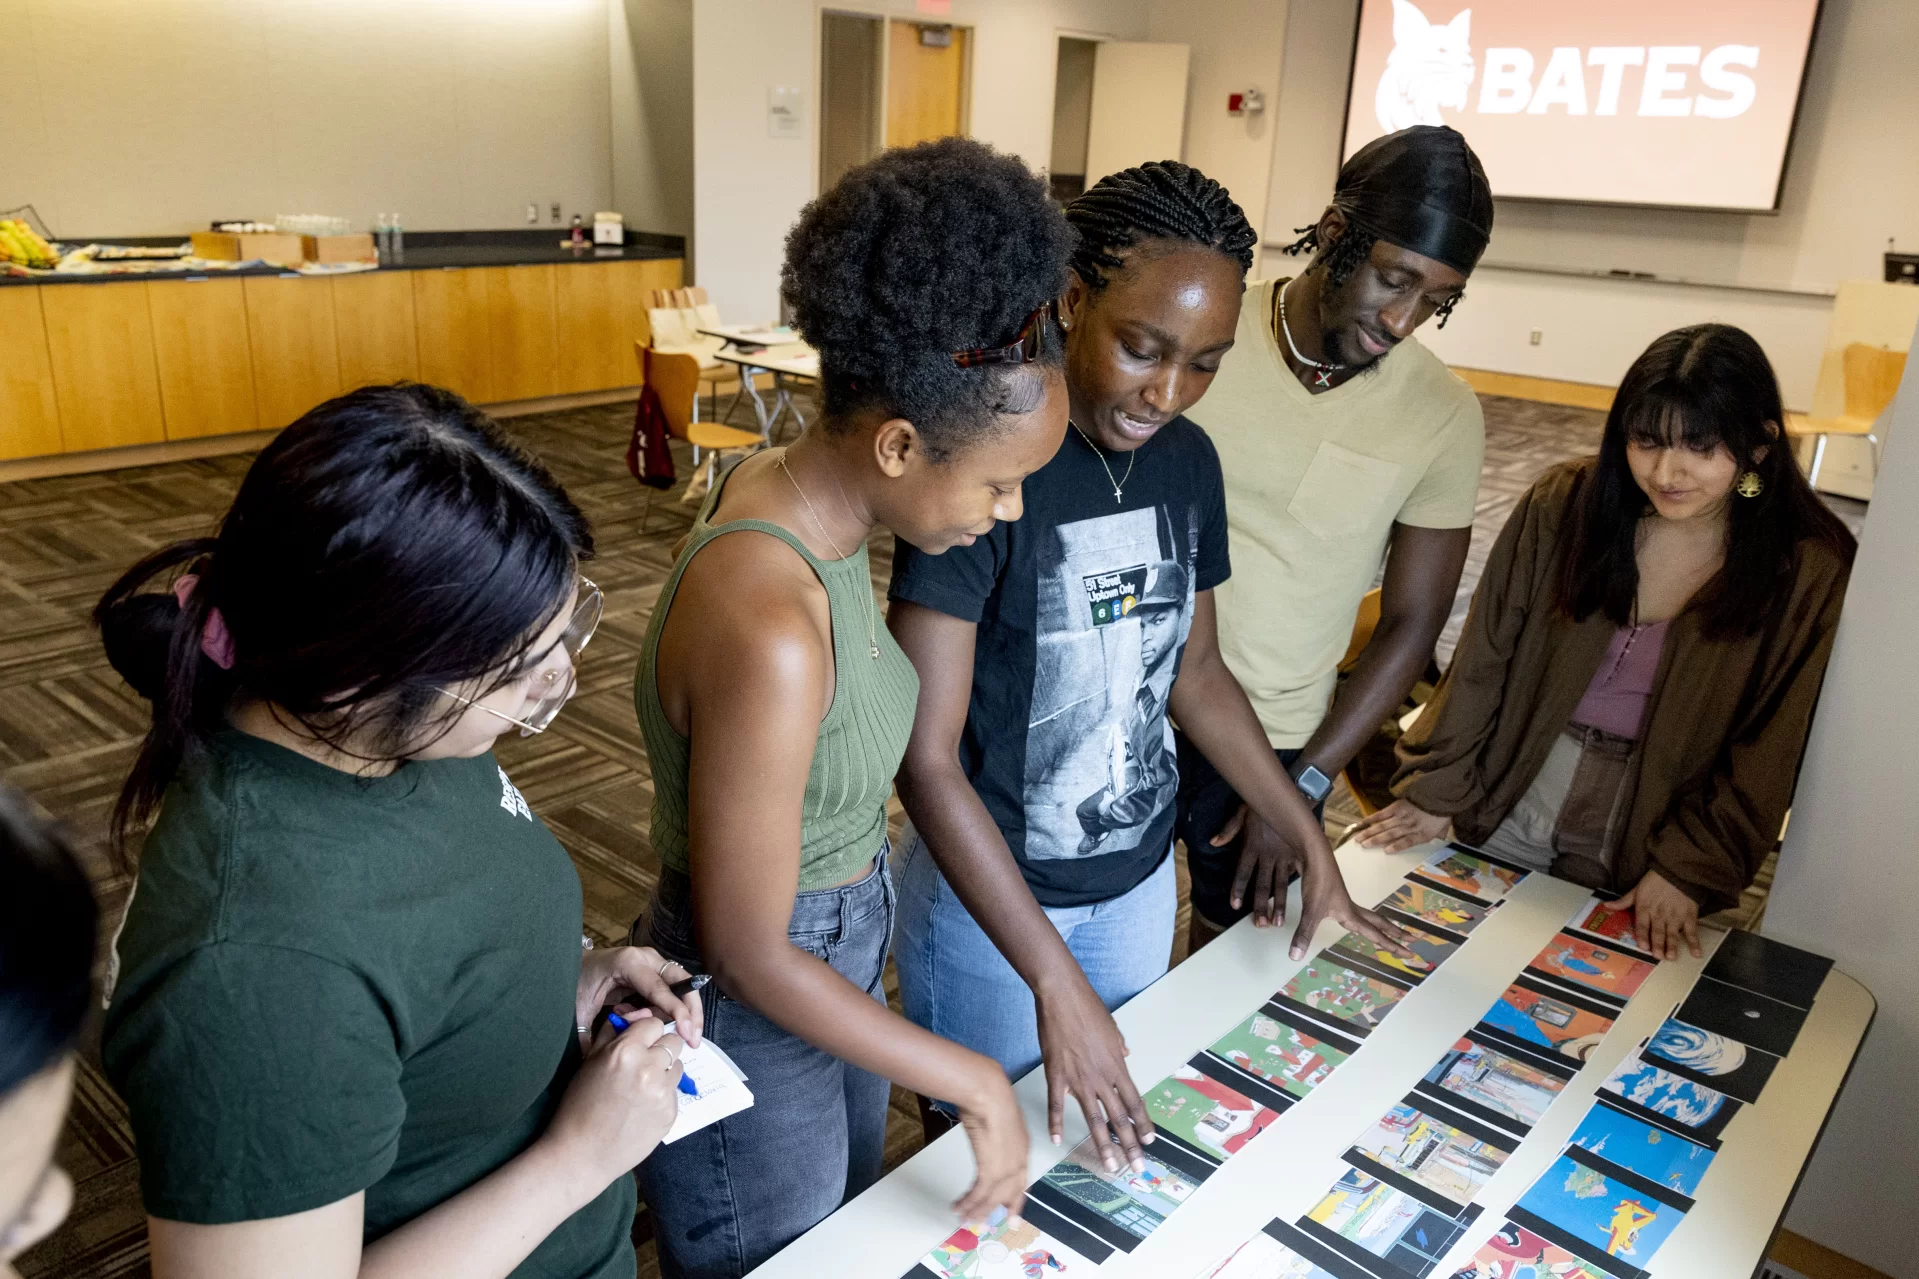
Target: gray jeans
column 1567, row 822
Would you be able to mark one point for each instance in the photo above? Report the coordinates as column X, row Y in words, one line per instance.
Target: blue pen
column 687, row 1085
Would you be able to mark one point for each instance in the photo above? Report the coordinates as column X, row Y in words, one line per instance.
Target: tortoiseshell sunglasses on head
column 1023, row 349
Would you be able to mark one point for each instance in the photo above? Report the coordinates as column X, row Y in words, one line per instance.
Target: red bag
column 647, row 453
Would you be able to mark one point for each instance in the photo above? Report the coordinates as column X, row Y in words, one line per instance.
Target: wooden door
column 1139, row 106
column 100, row 345
column 600, row 310
column 296, row 354
column 29, row 408
column 205, row 361
column 925, row 83
column 450, row 317
column 373, row 313
column 523, row 333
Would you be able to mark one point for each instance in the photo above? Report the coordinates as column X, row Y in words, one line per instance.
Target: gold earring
column 1750, row 485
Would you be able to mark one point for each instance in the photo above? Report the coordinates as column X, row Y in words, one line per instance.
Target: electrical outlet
column 532, row 213
column 1534, row 339
column 554, row 208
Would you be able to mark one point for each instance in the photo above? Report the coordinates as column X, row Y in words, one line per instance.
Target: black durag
column 1423, row 190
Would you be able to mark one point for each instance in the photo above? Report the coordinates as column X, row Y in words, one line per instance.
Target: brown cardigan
column 1712, row 777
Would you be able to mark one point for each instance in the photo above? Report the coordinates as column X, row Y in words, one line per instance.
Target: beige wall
column 1072, row 106
column 1237, row 45
column 156, row 116
column 650, row 43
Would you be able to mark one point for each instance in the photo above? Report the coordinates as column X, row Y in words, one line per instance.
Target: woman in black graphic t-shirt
column 1041, row 774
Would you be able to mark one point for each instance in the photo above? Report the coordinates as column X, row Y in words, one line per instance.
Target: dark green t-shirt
column 330, row 985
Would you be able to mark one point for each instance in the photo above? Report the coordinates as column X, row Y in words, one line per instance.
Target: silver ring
column 580, row 1029
column 671, row 963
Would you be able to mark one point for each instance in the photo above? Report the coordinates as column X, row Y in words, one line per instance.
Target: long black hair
column 47, row 923
column 1159, row 200
column 1698, row 388
column 915, row 255
column 389, row 543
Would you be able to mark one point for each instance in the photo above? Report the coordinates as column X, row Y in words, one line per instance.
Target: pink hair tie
column 215, row 642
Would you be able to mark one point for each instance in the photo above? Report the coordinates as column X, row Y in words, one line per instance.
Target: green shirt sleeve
column 262, row 1081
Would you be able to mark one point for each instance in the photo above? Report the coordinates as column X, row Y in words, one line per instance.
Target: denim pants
column 729, row 1196
column 1567, row 823
column 955, row 983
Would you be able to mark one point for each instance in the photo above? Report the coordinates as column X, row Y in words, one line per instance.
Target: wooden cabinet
column 450, row 317
column 601, row 311
column 296, row 358
column 100, row 345
column 522, row 333
column 373, row 314
column 201, row 350
column 29, row 409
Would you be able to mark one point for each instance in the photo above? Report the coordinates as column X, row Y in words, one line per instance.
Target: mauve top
column 1615, row 702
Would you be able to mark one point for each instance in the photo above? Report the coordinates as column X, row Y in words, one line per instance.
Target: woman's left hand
column 610, row 975
column 1662, row 915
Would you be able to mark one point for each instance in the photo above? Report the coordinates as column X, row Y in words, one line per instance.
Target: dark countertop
column 423, row 251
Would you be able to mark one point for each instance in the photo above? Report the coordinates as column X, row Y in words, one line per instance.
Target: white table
column 1283, row 1173
column 755, row 347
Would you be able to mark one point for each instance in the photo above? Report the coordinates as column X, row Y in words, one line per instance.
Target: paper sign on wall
column 784, row 118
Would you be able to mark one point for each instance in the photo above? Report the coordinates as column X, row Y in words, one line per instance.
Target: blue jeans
column 955, row 983
column 729, row 1196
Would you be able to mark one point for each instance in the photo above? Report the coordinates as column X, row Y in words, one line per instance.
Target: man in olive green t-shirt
column 1344, row 442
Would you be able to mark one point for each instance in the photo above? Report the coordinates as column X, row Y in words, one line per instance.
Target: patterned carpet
column 69, row 727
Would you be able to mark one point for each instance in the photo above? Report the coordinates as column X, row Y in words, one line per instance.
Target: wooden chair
column 716, row 376
column 1871, row 381
column 675, row 378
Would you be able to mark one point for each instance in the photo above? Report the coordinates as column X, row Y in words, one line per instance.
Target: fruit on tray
column 19, row 243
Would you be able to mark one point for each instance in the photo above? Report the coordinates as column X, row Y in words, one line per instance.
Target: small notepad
column 722, row 1086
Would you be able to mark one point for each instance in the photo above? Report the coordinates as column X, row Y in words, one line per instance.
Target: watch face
column 1314, row 784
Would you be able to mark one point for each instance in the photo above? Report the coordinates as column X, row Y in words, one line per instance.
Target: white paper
column 722, row 1086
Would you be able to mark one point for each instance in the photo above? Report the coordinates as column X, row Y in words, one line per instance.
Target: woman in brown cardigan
column 1632, row 691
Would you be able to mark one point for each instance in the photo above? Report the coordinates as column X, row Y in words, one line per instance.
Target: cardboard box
column 271, row 246
column 340, row 248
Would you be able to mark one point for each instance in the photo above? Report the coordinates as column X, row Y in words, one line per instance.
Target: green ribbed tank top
column 862, row 738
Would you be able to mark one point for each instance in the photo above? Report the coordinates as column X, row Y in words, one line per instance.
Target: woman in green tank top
column 776, row 706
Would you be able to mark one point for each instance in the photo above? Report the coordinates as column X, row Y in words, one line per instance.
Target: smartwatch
column 1313, row 784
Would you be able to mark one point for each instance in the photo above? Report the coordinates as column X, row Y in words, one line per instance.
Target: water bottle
column 397, row 233
column 382, row 240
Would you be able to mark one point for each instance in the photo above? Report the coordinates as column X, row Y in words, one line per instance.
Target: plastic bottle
column 399, row 240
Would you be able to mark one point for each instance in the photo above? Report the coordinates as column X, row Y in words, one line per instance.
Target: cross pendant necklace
column 1323, row 370
column 1119, row 483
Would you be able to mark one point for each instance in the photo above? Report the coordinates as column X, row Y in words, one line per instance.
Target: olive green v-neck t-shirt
column 329, row 985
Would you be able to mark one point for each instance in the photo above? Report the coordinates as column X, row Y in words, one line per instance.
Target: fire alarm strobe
column 1251, row 102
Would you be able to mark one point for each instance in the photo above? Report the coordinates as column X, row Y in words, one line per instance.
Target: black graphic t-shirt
column 1083, row 608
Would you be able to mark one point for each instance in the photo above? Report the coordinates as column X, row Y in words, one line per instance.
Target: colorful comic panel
column 1136, row 1202
column 1653, row 1153
column 1441, row 909
column 1003, row 1248
column 1205, row 1113
column 1338, row 991
column 1552, row 1023
column 1263, row 1257
column 1289, row 1059
column 1432, row 1152
column 1584, row 963
column 1601, row 920
column 1735, row 1069
column 1496, row 1081
column 1430, row 950
column 1471, row 873
column 1691, row 1105
column 1386, row 1222
column 1587, row 1205
column 1514, row 1253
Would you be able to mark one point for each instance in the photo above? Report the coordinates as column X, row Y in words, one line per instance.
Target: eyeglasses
column 1023, row 349
column 549, row 686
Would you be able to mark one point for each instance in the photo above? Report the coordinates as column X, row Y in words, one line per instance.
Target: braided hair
column 1342, row 257
column 1160, row 200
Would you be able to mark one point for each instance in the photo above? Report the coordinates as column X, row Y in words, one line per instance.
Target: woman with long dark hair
column 776, row 705
column 1633, row 688
column 353, row 1001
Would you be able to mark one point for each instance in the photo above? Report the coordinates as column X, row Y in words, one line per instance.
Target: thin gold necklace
column 1119, row 483
column 872, row 613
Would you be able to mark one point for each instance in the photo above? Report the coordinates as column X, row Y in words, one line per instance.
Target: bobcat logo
column 1429, row 68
